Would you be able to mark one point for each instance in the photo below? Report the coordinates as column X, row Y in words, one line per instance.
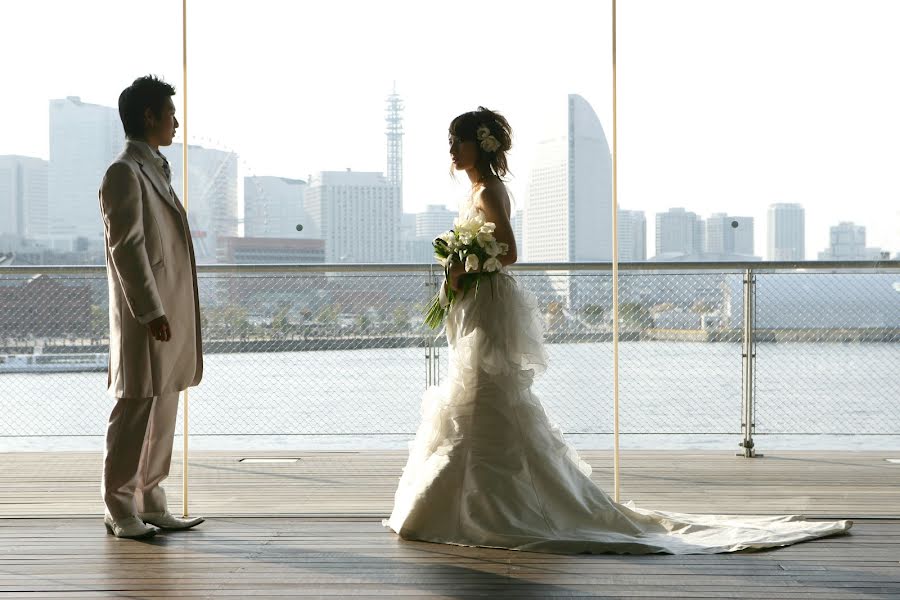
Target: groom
column 154, row 315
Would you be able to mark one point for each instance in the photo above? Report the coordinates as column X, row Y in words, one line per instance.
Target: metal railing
column 742, row 349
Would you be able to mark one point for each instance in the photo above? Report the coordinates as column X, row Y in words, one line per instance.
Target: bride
column 487, row 467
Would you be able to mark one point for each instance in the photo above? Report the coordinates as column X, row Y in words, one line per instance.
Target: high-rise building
column 569, row 201
column 632, row 235
column 358, row 215
column 212, row 197
column 418, row 230
column 847, row 242
column 84, row 140
column 413, row 248
column 729, row 236
column 434, row 221
column 273, row 208
column 785, row 235
column 23, row 197
column 517, row 221
column 679, row 233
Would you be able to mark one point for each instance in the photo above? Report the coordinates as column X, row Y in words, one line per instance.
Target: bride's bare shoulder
column 494, row 193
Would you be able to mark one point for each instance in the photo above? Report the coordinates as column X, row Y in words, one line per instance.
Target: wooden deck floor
column 362, row 483
column 332, row 557
column 311, row 528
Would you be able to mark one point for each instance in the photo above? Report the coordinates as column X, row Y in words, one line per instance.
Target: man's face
column 160, row 130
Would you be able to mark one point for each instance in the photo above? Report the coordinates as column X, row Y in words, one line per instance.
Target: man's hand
column 159, row 329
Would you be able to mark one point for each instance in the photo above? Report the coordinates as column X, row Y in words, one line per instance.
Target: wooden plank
column 356, row 557
column 860, row 484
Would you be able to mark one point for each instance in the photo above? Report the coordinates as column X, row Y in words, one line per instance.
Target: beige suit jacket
column 152, row 272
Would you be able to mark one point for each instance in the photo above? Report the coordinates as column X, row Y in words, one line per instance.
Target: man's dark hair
column 146, row 92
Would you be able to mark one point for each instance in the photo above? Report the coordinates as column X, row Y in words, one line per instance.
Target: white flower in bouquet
column 492, row 248
column 466, row 237
column 492, row 264
column 484, row 238
column 471, row 263
column 448, row 244
column 472, row 225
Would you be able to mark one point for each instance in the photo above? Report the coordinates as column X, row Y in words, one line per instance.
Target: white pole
column 184, row 197
column 615, row 267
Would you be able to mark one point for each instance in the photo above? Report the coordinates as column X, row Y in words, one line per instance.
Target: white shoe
column 130, row 528
column 166, row 520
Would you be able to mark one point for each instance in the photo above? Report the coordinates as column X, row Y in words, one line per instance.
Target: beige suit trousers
column 138, row 454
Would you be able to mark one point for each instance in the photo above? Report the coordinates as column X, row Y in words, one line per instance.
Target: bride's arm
column 494, row 203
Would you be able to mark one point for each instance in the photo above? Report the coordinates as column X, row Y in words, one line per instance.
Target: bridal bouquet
column 471, row 242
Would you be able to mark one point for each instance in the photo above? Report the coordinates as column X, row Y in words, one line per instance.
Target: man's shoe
column 130, row 528
column 168, row 521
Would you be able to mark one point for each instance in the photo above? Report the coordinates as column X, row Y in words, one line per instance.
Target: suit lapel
column 159, row 182
column 161, row 185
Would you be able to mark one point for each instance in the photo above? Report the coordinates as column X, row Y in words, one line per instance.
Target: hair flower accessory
column 487, row 141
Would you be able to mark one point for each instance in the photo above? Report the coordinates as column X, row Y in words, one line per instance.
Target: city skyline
column 215, row 212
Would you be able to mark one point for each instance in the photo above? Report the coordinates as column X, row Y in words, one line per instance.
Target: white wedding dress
column 488, row 468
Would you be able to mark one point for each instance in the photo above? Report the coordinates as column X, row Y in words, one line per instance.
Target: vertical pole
column 615, row 266
column 748, row 359
column 184, row 196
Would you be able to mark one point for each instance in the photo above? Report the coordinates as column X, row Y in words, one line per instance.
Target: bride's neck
column 477, row 178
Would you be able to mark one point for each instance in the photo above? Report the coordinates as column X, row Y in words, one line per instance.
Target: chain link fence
column 827, row 353
column 341, row 351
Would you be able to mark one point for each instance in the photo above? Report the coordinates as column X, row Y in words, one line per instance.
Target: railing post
column 748, row 362
column 432, row 364
column 435, row 362
column 428, row 365
column 431, row 352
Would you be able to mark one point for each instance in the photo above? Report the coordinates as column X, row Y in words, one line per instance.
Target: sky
column 723, row 105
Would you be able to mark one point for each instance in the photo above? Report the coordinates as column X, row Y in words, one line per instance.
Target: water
column 672, row 395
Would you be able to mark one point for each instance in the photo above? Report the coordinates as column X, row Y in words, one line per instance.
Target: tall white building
column 632, row 235
column 785, row 234
column 569, row 199
column 517, row 222
column 84, row 140
column 434, row 221
column 418, row 230
column 358, row 214
column 212, row 202
column 273, row 208
column 413, row 248
column 729, row 236
column 847, row 242
column 23, row 197
column 679, row 233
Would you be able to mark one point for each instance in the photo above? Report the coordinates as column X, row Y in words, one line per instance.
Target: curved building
column 569, row 201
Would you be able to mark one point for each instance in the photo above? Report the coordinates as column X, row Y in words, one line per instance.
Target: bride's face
column 463, row 154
